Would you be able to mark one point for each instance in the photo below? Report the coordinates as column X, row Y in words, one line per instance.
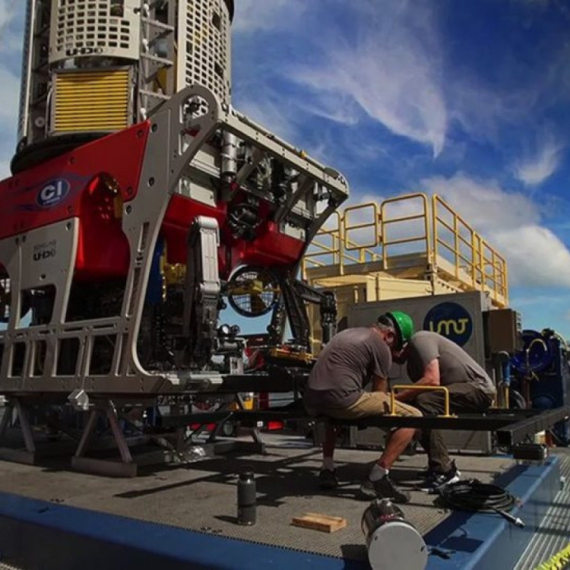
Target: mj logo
column 451, row 321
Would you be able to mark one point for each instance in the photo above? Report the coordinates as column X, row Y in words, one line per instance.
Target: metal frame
column 169, row 156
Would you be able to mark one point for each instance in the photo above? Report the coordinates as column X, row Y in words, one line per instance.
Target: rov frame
column 177, row 133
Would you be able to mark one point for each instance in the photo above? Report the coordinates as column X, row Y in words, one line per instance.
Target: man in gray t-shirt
column 433, row 360
column 350, row 360
column 335, row 389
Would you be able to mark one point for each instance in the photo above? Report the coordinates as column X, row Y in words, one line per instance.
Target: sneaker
column 328, row 479
column 440, row 480
column 383, row 489
column 426, row 474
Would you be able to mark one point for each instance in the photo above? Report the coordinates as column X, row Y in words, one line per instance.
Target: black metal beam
column 283, row 381
column 201, row 418
column 518, row 432
column 512, row 427
column 473, row 422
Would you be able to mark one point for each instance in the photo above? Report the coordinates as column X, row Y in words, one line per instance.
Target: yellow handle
column 403, row 387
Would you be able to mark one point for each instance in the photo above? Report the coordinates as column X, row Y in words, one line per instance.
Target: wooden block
column 315, row 521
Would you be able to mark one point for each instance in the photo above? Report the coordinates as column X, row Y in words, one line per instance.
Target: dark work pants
column 463, row 397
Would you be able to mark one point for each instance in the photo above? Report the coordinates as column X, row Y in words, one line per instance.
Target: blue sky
column 465, row 99
column 469, row 100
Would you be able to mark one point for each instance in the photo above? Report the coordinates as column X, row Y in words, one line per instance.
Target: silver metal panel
column 204, row 46
column 84, row 28
column 554, row 531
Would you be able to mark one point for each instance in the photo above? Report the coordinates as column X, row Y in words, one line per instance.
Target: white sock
column 378, row 472
column 328, row 463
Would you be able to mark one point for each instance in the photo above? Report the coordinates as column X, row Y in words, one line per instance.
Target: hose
column 472, row 495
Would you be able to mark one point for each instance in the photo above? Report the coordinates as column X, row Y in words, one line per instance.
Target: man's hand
column 430, row 378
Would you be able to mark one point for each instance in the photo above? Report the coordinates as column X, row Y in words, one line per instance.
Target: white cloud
column 390, row 68
column 253, row 16
column 512, row 223
column 538, row 168
column 536, row 256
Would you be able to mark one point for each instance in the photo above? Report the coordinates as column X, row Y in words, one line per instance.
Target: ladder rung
column 158, row 24
column 156, row 59
column 153, row 94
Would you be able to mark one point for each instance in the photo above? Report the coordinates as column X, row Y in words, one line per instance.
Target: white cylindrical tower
column 93, row 67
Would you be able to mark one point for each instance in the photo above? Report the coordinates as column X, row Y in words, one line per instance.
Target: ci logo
column 53, row 193
column 451, row 321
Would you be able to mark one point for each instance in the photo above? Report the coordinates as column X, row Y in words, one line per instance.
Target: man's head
column 396, row 328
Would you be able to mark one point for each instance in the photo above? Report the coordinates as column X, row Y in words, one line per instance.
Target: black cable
column 472, row 495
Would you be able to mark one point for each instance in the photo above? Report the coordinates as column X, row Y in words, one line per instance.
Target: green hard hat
column 404, row 325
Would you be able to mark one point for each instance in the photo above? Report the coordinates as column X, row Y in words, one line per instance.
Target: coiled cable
column 472, row 495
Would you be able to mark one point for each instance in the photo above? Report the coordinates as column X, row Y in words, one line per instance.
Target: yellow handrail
column 404, row 387
column 427, row 228
column 385, row 221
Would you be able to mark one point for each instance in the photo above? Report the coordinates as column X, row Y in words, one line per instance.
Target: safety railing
column 368, row 232
column 471, row 259
column 406, row 230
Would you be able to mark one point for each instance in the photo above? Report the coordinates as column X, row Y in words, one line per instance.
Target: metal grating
column 102, row 28
column 204, row 46
column 202, row 496
column 554, row 532
column 96, row 101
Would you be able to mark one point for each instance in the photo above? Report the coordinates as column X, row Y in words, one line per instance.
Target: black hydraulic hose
column 472, row 495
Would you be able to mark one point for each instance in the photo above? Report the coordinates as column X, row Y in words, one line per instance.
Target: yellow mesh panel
column 92, row 101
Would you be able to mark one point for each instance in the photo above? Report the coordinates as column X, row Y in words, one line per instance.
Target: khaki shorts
column 369, row 404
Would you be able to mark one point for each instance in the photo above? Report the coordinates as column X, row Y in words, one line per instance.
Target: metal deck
column 202, row 496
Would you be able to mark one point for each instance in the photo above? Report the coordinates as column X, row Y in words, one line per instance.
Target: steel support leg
column 26, row 428
column 16, row 410
column 125, row 468
column 5, row 420
column 119, row 435
column 87, row 433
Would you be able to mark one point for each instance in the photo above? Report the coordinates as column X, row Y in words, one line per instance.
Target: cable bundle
column 472, row 495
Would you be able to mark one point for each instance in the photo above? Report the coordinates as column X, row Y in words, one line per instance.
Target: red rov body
column 94, row 181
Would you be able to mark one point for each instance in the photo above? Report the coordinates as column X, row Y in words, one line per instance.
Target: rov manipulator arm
column 295, row 294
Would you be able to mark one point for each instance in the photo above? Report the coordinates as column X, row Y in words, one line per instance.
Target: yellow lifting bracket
column 404, row 387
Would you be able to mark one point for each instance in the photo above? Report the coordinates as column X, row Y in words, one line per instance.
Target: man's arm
column 379, row 384
column 430, row 377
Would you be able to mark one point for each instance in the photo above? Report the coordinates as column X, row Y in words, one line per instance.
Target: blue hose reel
column 540, row 355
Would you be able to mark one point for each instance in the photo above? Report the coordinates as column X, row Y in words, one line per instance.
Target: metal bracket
column 79, row 400
column 203, row 289
column 125, row 468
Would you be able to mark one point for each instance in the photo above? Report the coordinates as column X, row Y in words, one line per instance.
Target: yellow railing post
column 403, row 387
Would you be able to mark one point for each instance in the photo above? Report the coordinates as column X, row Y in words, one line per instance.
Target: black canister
column 247, row 509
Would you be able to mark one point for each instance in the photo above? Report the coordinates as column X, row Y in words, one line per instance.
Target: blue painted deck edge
column 37, row 534
column 483, row 541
